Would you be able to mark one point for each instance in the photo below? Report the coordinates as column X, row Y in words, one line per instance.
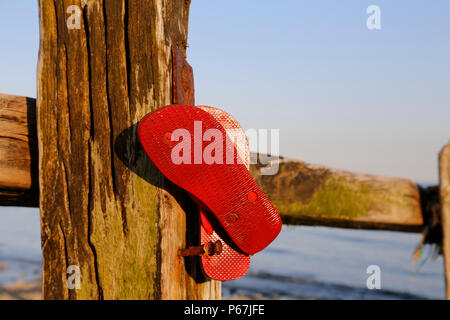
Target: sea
column 302, row 263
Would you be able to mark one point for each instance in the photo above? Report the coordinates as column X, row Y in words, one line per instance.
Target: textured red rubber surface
column 231, row 263
column 228, row 190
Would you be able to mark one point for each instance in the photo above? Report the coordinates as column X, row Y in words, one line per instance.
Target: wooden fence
column 74, row 153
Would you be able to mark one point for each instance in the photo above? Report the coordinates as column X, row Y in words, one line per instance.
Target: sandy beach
column 21, row 291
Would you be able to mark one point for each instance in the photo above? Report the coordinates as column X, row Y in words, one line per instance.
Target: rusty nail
column 210, row 248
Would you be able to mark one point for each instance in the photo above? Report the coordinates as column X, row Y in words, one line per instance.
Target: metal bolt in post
column 210, row 248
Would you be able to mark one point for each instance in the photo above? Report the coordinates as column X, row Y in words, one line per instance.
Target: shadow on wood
column 138, row 161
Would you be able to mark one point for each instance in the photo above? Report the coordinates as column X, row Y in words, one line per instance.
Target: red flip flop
column 173, row 138
column 231, row 263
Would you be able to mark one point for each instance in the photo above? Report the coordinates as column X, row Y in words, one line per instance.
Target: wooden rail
column 18, row 152
column 316, row 195
column 303, row 193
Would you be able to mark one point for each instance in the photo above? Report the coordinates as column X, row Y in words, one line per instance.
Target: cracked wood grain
column 104, row 206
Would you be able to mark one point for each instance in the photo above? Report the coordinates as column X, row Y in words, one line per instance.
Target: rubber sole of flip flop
column 232, row 263
column 228, row 190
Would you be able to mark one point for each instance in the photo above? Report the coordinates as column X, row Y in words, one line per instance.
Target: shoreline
column 30, row 290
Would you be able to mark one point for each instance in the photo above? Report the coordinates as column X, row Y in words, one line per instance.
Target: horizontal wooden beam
column 303, row 193
column 307, row 194
column 18, row 152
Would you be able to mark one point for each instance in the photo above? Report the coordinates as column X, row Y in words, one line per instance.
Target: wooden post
column 104, row 207
column 444, row 176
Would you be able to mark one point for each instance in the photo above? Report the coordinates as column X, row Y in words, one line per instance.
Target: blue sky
column 374, row 101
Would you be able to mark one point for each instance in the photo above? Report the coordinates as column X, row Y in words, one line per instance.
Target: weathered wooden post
column 104, row 206
column 444, row 176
